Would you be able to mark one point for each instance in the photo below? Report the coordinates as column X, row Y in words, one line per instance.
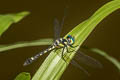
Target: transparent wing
column 58, row 26
column 73, row 62
column 63, row 20
column 57, row 29
column 85, row 59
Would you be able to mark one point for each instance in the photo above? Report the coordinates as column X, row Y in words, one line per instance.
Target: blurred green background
column 39, row 25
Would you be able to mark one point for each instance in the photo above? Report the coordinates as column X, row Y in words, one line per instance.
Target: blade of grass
column 26, row 44
column 53, row 67
column 7, row 19
column 23, row 76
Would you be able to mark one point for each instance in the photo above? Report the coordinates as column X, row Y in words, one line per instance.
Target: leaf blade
column 8, row 19
column 23, row 76
column 48, row 41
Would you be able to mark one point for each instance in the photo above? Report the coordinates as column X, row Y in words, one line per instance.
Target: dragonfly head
column 70, row 40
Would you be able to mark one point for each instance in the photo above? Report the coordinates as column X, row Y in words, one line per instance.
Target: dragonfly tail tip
column 27, row 62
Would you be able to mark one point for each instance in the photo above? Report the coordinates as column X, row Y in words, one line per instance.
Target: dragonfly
column 64, row 43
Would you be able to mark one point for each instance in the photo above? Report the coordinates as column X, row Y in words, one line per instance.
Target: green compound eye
column 71, row 39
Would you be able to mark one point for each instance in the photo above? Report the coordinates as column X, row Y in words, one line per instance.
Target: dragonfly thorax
column 61, row 42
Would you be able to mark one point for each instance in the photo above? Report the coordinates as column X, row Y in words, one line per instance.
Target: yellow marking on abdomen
column 61, row 45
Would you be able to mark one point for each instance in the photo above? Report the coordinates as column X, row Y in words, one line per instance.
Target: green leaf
column 7, row 19
column 104, row 54
column 26, row 44
column 54, row 66
column 23, row 76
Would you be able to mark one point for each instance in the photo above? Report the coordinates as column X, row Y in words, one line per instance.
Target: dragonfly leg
column 69, row 50
column 63, row 53
column 74, row 46
column 55, row 50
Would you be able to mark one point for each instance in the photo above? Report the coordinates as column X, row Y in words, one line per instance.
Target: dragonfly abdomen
column 57, row 44
column 47, row 50
column 30, row 60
